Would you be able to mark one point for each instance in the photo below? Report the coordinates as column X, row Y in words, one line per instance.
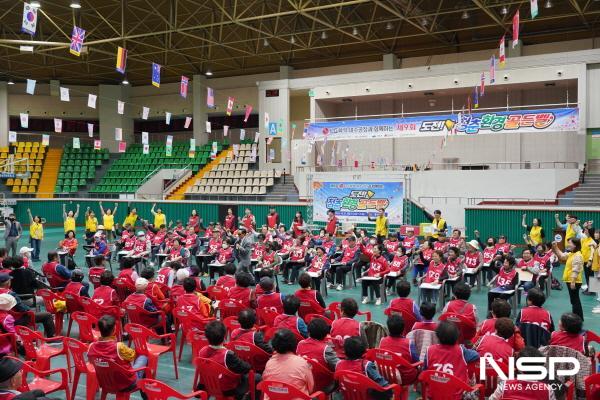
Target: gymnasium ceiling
column 237, row 37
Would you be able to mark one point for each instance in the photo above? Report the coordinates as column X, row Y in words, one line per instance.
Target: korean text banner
column 556, row 119
column 355, row 201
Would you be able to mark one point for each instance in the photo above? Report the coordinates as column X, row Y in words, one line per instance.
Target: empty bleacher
column 32, row 151
column 78, row 167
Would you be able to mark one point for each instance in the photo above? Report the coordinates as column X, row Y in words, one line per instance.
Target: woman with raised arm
column 535, row 231
column 108, row 220
column 573, row 273
column 36, row 235
column 70, row 218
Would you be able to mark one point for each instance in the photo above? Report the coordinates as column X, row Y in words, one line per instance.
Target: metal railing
column 473, row 201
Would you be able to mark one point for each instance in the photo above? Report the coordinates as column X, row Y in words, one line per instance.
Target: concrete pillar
column 200, row 109
column 516, row 52
column 110, row 119
column 390, row 61
column 285, row 72
column 278, row 109
column 4, row 119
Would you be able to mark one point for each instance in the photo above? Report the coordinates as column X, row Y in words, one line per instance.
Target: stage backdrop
column 355, row 201
column 555, row 120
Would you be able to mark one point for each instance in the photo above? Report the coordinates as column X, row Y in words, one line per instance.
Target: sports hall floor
column 558, row 303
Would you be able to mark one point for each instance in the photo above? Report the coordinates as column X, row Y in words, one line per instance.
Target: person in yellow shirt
column 571, row 227
column 535, row 231
column 70, row 218
column 381, row 225
column 131, row 217
column 91, row 225
column 108, row 220
column 573, row 273
column 437, row 222
column 159, row 217
column 36, row 235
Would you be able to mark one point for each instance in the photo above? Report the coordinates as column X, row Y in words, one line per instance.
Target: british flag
column 77, row 41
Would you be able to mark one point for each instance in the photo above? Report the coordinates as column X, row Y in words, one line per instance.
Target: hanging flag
column 267, row 119
column 482, row 85
column 169, row 150
column 271, row 155
column 225, row 130
column 24, row 120
column 208, row 127
column 293, row 129
column 120, row 107
column 76, row 144
column 118, row 134
column 29, row 19
column 210, row 97
column 248, row 111
column 213, row 153
column 169, row 140
column 167, row 118
column 253, row 154
column 121, row 59
column 236, row 150
column 230, row 101
column 90, row 129
column 534, row 8
column 57, row 125
column 146, row 149
column 122, row 147
column 30, row 86
column 242, row 134
column 145, row 138
column 92, row 100
column 45, row 140
column 492, row 70
column 469, row 108
column 12, row 137
column 269, row 140
column 256, row 136
column 188, row 121
column 502, row 55
column 97, row 144
column 64, row 94
column 476, row 97
column 183, row 86
column 192, row 144
column 77, row 41
column 145, row 112
column 156, row 74
column 515, row 37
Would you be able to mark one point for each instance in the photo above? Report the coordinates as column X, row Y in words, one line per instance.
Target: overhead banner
column 354, row 202
column 555, row 120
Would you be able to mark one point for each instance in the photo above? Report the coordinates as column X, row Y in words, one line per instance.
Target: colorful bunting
column 515, row 26
column 183, row 86
column 77, row 41
column 121, row 60
column 24, row 120
column 210, row 97
column 502, row 54
column 534, row 8
column 230, row 101
column 482, row 85
column 64, row 94
column 92, row 100
column 476, row 97
column 156, row 75
column 30, row 86
column 29, row 23
column 248, row 111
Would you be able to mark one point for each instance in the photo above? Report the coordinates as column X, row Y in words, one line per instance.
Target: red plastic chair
column 97, row 310
column 210, row 374
column 592, row 387
column 491, row 376
column 465, row 325
column 123, row 287
column 38, row 349
column 283, row 391
column 266, row 316
column 216, row 293
column 141, row 336
column 138, row 315
column 114, row 379
column 94, row 275
column 408, row 317
column 310, row 317
column 335, row 309
column 198, row 340
column 322, row 376
column 156, row 390
column 10, row 338
column 49, row 297
column 41, row 382
column 252, row 354
column 74, row 304
column 87, row 326
column 29, row 316
column 355, row 386
column 592, row 337
column 390, row 364
column 189, row 323
column 230, row 308
column 231, row 323
column 442, row 386
column 309, row 307
column 77, row 350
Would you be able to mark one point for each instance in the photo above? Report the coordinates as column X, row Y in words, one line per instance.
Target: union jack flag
column 77, row 41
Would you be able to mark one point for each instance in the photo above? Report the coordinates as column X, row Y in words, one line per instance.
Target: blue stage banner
column 355, row 201
column 555, row 120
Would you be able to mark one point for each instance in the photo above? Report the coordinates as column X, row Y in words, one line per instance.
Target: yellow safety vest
column 570, row 233
column 108, row 221
column 439, row 226
column 69, row 224
column 569, row 269
column 535, row 233
column 381, row 228
column 586, row 250
column 91, row 224
column 160, row 219
column 36, row 231
column 131, row 219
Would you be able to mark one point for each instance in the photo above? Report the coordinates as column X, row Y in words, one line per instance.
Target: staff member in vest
column 573, row 273
column 159, row 217
column 535, row 231
column 70, row 217
column 272, row 218
column 36, row 235
column 91, row 225
column 132, row 216
column 381, row 225
column 108, row 220
column 332, row 223
column 438, row 223
column 12, row 232
column 571, row 227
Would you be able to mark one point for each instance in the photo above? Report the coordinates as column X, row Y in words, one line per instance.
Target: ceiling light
column 548, row 4
column 292, row 40
column 465, row 15
column 389, row 26
column 355, row 31
column 26, row 49
column 10, row 82
column 504, row 10
column 208, row 73
column 125, row 81
column 75, row 4
column 265, row 42
column 323, row 35
column 35, row 4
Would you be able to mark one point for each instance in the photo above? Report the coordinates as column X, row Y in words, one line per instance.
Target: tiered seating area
column 24, row 150
column 78, row 167
column 233, row 176
column 129, row 172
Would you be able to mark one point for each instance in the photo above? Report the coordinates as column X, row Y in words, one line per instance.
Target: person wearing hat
column 36, row 234
column 159, row 217
column 141, row 300
column 269, row 298
column 141, row 247
column 12, row 232
column 100, row 246
column 25, row 253
column 409, row 241
column 7, row 323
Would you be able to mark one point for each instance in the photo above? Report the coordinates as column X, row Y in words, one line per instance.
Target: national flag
column 167, row 118
column 29, row 23
column 248, row 111
column 515, row 37
column 146, row 149
column 121, row 59
column 534, row 8
column 242, row 134
column 482, row 85
column 192, row 144
column 183, row 86
column 492, row 70
column 156, row 74
column 77, row 38
column 208, row 127
column 476, row 97
column 169, row 140
column 120, row 107
column 256, row 136
column 230, row 101
column 502, row 54
column 210, row 97
column 169, row 150
column 118, row 134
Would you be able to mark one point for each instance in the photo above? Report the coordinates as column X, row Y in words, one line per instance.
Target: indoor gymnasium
column 300, row 199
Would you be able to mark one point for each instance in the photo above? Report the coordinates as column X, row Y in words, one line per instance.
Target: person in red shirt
column 11, row 376
column 248, row 220
column 378, row 268
column 436, row 275
column 247, row 332
column 460, row 304
column 405, row 348
column 242, row 291
column 500, row 309
column 227, row 281
column 345, row 326
column 289, row 319
column 295, row 262
column 534, row 321
column 77, row 286
column 472, row 262
column 269, row 298
column 570, row 333
column 332, row 223
column 343, row 263
column 272, row 218
column 497, row 345
column 105, row 295
column 404, row 303
column 398, row 267
column 317, row 346
column 192, row 301
column 230, row 221
column 427, row 323
column 505, row 281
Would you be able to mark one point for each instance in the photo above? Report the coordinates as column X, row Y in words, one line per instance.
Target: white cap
column 181, row 274
column 25, row 249
column 141, row 283
column 97, row 235
column 7, row 302
column 141, row 233
column 474, row 244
